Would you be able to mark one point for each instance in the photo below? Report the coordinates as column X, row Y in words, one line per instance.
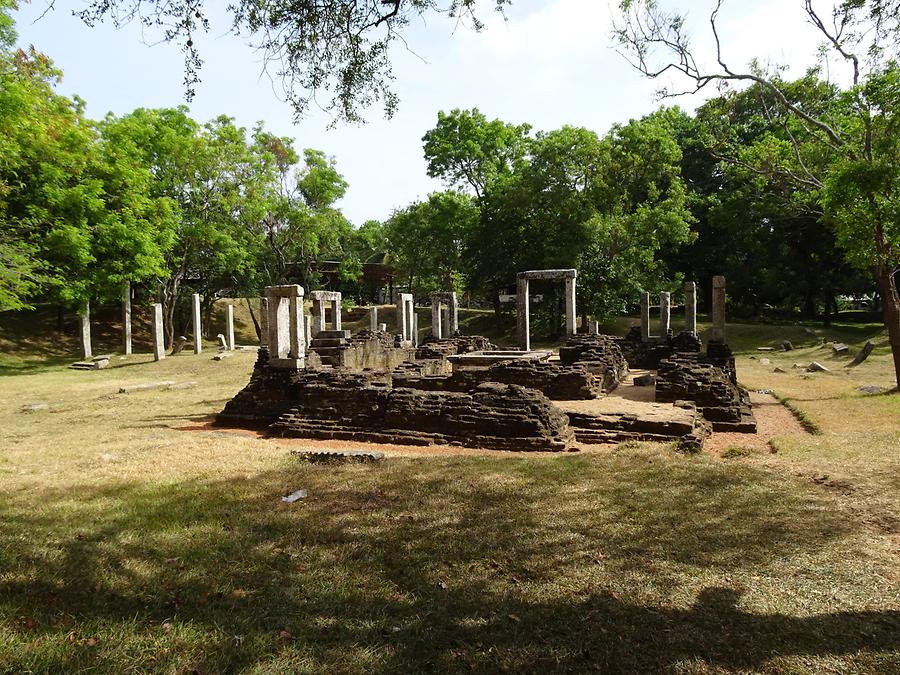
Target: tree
column 428, row 241
column 333, row 46
column 467, row 151
column 859, row 177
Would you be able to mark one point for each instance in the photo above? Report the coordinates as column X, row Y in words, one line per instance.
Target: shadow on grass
column 475, row 564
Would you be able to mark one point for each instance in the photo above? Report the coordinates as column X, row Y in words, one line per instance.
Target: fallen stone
column 765, row 349
column 219, row 357
column 787, row 345
column 871, row 389
column 180, row 342
column 840, row 348
column 182, row 385
column 779, row 370
column 294, row 496
column 644, row 380
column 95, row 364
column 34, row 407
column 863, row 354
column 222, row 344
column 146, row 386
column 334, row 456
column 798, row 366
column 816, row 367
column 764, row 362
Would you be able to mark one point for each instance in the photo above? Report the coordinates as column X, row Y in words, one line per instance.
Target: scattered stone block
column 871, row 389
column 294, row 496
column 182, row 385
column 645, row 381
column 764, row 362
column 180, row 342
column 221, row 356
column 839, row 348
column 816, row 367
column 779, row 370
column 222, row 344
column 146, row 386
column 338, row 456
column 35, row 407
column 787, row 345
column 863, row 354
column 765, row 349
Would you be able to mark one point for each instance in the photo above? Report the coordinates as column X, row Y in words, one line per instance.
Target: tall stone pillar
column 308, row 325
column 318, row 312
column 645, row 316
column 335, row 314
column 159, row 342
column 415, row 326
column 436, row 327
column 229, row 327
column 453, row 328
column 410, row 318
column 523, row 322
column 263, row 323
column 286, row 331
column 690, row 307
column 84, row 323
column 373, row 319
column 665, row 314
column 571, row 328
column 401, row 316
column 718, row 309
column 445, row 321
column 198, row 329
column 126, row 318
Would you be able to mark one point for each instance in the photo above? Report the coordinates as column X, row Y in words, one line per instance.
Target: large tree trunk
column 890, row 300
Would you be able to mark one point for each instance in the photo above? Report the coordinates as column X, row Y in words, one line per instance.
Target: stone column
column 690, row 307
column 84, row 322
column 126, row 318
column 401, row 316
column 593, row 327
column 382, row 328
column 415, row 325
column 198, row 330
column 665, row 314
column 445, row 321
column 296, row 331
column 718, row 309
column 454, row 315
column 571, row 327
column 318, row 312
column 229, row 326
column 263, row 323
column 522, row 314
column 436, row 327
column 308, row 328
column 335, row 315
column 159, row 343
column 645, row 316
column 373, row 319
column 411, row 313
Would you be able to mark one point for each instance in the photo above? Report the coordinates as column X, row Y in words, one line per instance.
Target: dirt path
column 772, row 419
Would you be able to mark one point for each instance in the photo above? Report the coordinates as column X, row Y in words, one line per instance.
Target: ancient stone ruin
column 462, row 390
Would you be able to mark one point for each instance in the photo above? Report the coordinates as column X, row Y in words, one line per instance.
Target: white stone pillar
column 296, row 331
column 373, row 319
column 571, row 327
column 436, row 327
column 198, row 330
column 318, row 312
column 522, row 314
column 308, row 328
column 263, row 323
column 126, row 318
column 382, row 328
column 593, row 327
column 229, row 326
column 159, row 343
column 645, row 316
column 445, row 321
column 453, row 328
column 335, row 314
column 718, row 309
column 690, row 307
column 415, row 334
column 411, row 313
column 401, row 317
column 665, row 314
column 84, row 323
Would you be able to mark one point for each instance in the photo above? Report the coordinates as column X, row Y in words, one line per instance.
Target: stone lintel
column 286, row 291
column 548, row 274
column 325, row 296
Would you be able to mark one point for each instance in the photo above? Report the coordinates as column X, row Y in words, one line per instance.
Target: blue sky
column 551, row 63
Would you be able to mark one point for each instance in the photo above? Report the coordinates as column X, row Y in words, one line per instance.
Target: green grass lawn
column 131, row 541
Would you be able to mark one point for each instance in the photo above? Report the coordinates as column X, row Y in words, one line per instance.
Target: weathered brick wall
column 599, row 354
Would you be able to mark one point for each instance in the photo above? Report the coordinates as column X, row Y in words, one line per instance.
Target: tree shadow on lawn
column 463, row 564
